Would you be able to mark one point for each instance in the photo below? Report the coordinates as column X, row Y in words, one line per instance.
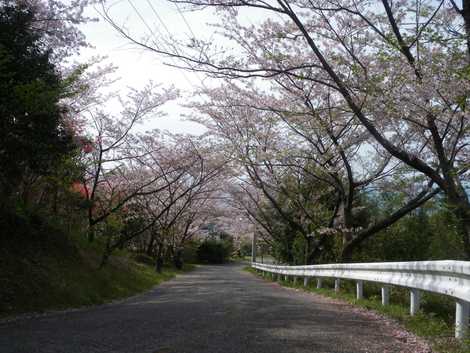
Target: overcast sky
column 136, row 66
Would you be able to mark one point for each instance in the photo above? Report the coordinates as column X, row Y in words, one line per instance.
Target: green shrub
column 214, row 251
column 144, row 259
column 190, row 254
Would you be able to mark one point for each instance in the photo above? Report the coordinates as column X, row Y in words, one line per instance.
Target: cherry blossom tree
column 165, row 212
column 279, row 147
column 111, row 178
column 398, row 68
column 57, row 22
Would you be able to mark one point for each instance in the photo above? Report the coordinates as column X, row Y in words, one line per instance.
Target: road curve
column 210, row 310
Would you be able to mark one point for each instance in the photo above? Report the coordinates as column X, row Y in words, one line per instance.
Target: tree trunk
column 55, row 200
column 106, row 254
column 307, row 250
column 91, row 234
column 149, row 250
column 104, row 259
column 346, row 219
column 346, row 254
column 159, row 259
column 178, row 259
column 159, row 264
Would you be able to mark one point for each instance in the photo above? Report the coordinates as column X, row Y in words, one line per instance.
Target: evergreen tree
column 33, row 137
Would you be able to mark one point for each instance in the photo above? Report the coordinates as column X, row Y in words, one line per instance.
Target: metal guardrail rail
column 451, row 278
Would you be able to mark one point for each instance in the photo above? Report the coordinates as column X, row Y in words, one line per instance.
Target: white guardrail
column 451, row 278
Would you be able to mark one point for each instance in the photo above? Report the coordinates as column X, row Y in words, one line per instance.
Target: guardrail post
column 415, row 299
column 286, row 278
column 305, row 281
column 461, row 318
column 337, row 285
column 319, row 283
column 385, row 295
column 295, row 280
column 359, row 290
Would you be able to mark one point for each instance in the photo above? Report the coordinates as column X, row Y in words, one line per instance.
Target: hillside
column 42, row 268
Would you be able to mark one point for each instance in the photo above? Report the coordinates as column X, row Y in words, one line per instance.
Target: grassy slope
column 435, row 327
column 40, row 273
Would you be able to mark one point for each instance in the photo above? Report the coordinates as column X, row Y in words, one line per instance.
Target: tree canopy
column 34, row 134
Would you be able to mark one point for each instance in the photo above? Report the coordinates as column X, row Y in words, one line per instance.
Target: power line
column 169, row 34
column 159, row 18
column 184, row 19
column 141, row 17
column 154, row 35
column 192, row 33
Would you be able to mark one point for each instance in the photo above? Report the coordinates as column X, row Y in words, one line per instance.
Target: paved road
column 212, row 309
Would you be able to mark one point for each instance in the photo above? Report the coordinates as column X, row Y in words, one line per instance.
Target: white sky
column 137, row 66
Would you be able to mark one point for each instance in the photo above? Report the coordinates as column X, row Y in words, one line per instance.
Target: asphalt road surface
column 212, row 309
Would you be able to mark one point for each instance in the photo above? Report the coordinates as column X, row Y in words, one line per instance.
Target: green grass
column 434, row 322
column 60, row 273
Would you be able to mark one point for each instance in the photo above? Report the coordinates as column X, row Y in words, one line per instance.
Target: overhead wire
column 184, row 19
column 152, row 32
column 162, row 22
column 192, row 33
column 158, row 17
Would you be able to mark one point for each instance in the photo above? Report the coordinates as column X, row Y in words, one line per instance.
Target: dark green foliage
column 27, row 241
column 190, row 254
column 283, row 242
column 429, row 233
column 214, row 251
column 33, row 136
column 245, row 249
column 294, row 215
column 144, row 259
